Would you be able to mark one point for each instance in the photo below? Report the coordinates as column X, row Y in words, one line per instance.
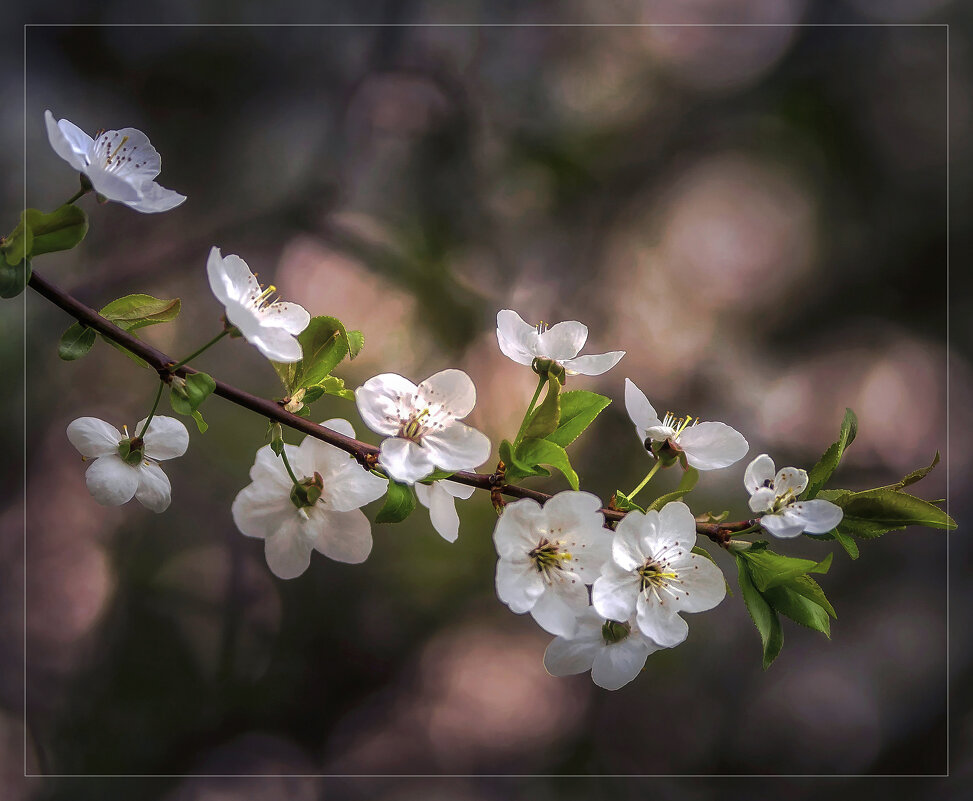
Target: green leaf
column 137, row 311
column 579, row 408
column 400, row 501
column 875, row 512
column 332, row 385
column 437, row 475
column 761, row 613
column 18, row 245
column 515, row 469
column 916, row 475
column 686, row 485
column 625, row 504
column 541, row 451
column 810, row 589
column 62, row 229
column 846, row 542
column 75, row 342
column 818, row 475
column 799, row 609
column 13, row 279
column 324, row 344
column 544, row 418
column 771, row 569
column 356, row 341
column 185, row 398
column 201, row 424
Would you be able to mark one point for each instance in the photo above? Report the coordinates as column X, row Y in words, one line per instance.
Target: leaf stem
column 648, row 477
column 530, row 409
column 155, row 405
column 79, row 194
column 196, row 353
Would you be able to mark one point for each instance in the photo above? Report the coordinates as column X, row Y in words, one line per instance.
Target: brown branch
column 364, row 453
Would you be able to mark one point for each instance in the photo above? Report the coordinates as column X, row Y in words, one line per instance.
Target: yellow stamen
column 115, row 153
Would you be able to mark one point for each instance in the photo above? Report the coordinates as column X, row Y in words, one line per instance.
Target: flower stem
column 648, row 477
column 205, row 347
column 155, row 405
column 287, row 465
column 80, row 193
column 530, row 409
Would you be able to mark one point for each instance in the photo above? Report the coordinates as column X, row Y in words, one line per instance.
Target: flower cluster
column 611, row 584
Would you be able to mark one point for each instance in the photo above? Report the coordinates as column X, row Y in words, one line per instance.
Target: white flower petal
column 700, row 585
column 781, row 526
column 457, row 447
column 517, row 530
column 758, row 473
column 69, row 141
column 575, row 520
column 616, row 664
column 519, row 585
column 111, row 481
column 154, row 491
column 403, row 460
column 640, row 411
column 342, row 536
column 627, row 550
column 382, row 400
column 453, row 390
column 593, row 364
column 154, row 199
column 517, row 339
column 457, row 490
column 229, row 277
column 126, row 154
column 276, row 344
column 442, row 509
column 659, row 621
column 762, row 500
column 562, row 341
column 291, row 317
column 790, row 479
column 678, row 525
column 288, row 550
column 261, row 509
column 557, row 610
column 112, row 186
column 565, row 657
column 93, row 437
column 166, row 437
column 268, row 468
column 340, row 425
column 710, row 446
column 614, row 593
column 817, row 516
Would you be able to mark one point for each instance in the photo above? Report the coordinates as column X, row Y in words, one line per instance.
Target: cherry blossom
column 653, row 574
column 127, row 466
column 548, row 554
column 121, row 165
column 707, row 446
column 322, row 515
column 271, row 325
column 776, row 497
column 560, row 343
column 422, row 423
column 440, row 499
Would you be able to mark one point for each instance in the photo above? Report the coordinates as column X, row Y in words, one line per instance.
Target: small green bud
column 548, row 368
column 613, row 631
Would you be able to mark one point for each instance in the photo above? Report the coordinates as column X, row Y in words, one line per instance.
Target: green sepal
column 761, row 613
column 579, row 408
column 686, row 485
column 76, row 342
column 818, row 475
column 400, row 501
column 544, row 419
column 625, row 504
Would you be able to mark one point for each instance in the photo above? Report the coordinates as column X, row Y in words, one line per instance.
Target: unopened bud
column 548, row 368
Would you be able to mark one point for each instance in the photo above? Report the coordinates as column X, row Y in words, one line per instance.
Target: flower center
column 548, row 558
column 416, row 426
column 677, row 424
column 115, row 151
column 653, row 575
column 131, row 449
column 541, row 327
column 613, row 631
column 262, row 300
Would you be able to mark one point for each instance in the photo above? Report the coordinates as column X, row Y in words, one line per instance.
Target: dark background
column 756, row 214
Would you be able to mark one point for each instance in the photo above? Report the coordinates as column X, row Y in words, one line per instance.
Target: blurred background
column 757, row 215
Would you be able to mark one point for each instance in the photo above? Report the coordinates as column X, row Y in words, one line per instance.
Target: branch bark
column 364, row 453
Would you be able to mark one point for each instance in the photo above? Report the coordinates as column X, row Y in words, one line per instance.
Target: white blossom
column 775, row 495
column 422, row 423
column 121, row 165
column 560, row 343
column 440, row 499
column 332, row 523
column 707, row 446
column 614, row 652
column 123, row 468
column 548, row 554
column 653, row 574
column 269, row 324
